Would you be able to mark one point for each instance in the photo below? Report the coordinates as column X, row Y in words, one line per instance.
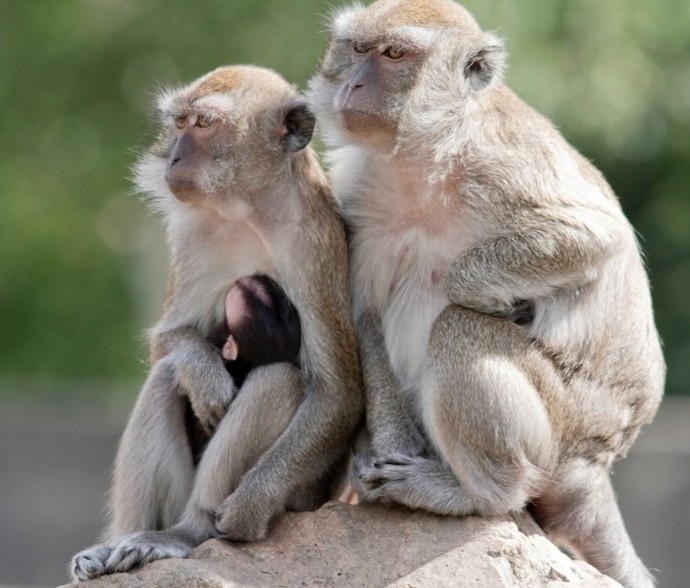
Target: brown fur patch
column 225, row 80
column 222, row 80
column 422, row 13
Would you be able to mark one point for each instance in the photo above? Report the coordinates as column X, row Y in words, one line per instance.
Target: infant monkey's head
column 263, row 325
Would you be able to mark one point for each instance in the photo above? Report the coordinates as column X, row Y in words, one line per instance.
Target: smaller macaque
column 261, row 327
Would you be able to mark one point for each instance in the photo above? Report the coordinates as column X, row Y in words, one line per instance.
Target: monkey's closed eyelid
column 360, row 48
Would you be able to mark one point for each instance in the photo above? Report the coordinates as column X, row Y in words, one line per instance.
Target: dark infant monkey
column 261, row 327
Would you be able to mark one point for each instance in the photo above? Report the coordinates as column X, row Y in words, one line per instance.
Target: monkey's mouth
column 183, row 189
column 357, row 113
column 358, row 121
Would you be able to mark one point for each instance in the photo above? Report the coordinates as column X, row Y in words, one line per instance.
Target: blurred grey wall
column 56, row 463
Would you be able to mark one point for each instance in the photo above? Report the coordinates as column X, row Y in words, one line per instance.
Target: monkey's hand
column 245, row 514
column 211, row 397
column 491, row 299
column 202, row 377
column 473, row 297
column 553, row 250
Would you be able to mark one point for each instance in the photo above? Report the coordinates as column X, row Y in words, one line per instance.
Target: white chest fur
column 211, row 254
column 404, row 235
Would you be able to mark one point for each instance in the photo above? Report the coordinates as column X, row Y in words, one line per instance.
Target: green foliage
column 81, row 267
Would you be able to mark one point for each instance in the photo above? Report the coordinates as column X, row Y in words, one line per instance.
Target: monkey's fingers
column 210, row 413
column 390, row 482
column 374, row 477
column 392, row 470
column 396, row 459
column 369, row 471
column 522, row 312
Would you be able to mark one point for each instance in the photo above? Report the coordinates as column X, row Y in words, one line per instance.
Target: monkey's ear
column 231, row 349
column 485, row 63
column 298, row 125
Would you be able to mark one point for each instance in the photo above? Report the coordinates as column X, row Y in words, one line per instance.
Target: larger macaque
column 506, row 329
column 241, row 193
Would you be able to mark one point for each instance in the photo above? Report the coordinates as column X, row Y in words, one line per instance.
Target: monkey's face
column 364, row 85
column 219, row 131
column 200, row 142
column 372, row 92
column 392, row 65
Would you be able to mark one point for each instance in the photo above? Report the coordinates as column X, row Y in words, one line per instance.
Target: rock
column 366, row 546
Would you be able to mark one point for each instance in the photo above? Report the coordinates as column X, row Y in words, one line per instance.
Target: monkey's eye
column 180, row 122
column 394, row 53
column 203, row 121
column 360, row 48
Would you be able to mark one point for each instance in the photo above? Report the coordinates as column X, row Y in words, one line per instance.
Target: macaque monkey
column 506, row 330
column 261, row 327
column 241, row 193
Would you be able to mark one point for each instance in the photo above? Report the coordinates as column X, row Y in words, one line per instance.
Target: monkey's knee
column 487, row 421
column 270, row 397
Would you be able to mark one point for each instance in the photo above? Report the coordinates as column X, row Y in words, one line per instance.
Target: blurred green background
column 81, row 261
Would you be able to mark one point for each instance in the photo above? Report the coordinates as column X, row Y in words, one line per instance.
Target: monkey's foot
column 90, row 563
column 413, row 481
column 378, row 478
column 140, row 548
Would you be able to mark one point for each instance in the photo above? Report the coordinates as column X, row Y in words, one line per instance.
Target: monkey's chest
column 401, row 276
column 207, row 271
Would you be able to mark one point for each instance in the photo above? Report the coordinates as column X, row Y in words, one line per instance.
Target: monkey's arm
column 199, row 371
column 535, row 257
column 389, row 421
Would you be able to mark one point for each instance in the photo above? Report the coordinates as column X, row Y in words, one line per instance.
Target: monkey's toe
column 90, row 563
column 394, row 459
column 142, row 548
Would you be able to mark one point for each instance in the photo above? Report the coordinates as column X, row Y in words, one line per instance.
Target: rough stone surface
column 343, row 546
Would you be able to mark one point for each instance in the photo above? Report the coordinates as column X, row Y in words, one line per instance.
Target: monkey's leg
column 581, row 508
column 483, row 416
column 257, row 417
column 153, row 470
column 389, row 420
